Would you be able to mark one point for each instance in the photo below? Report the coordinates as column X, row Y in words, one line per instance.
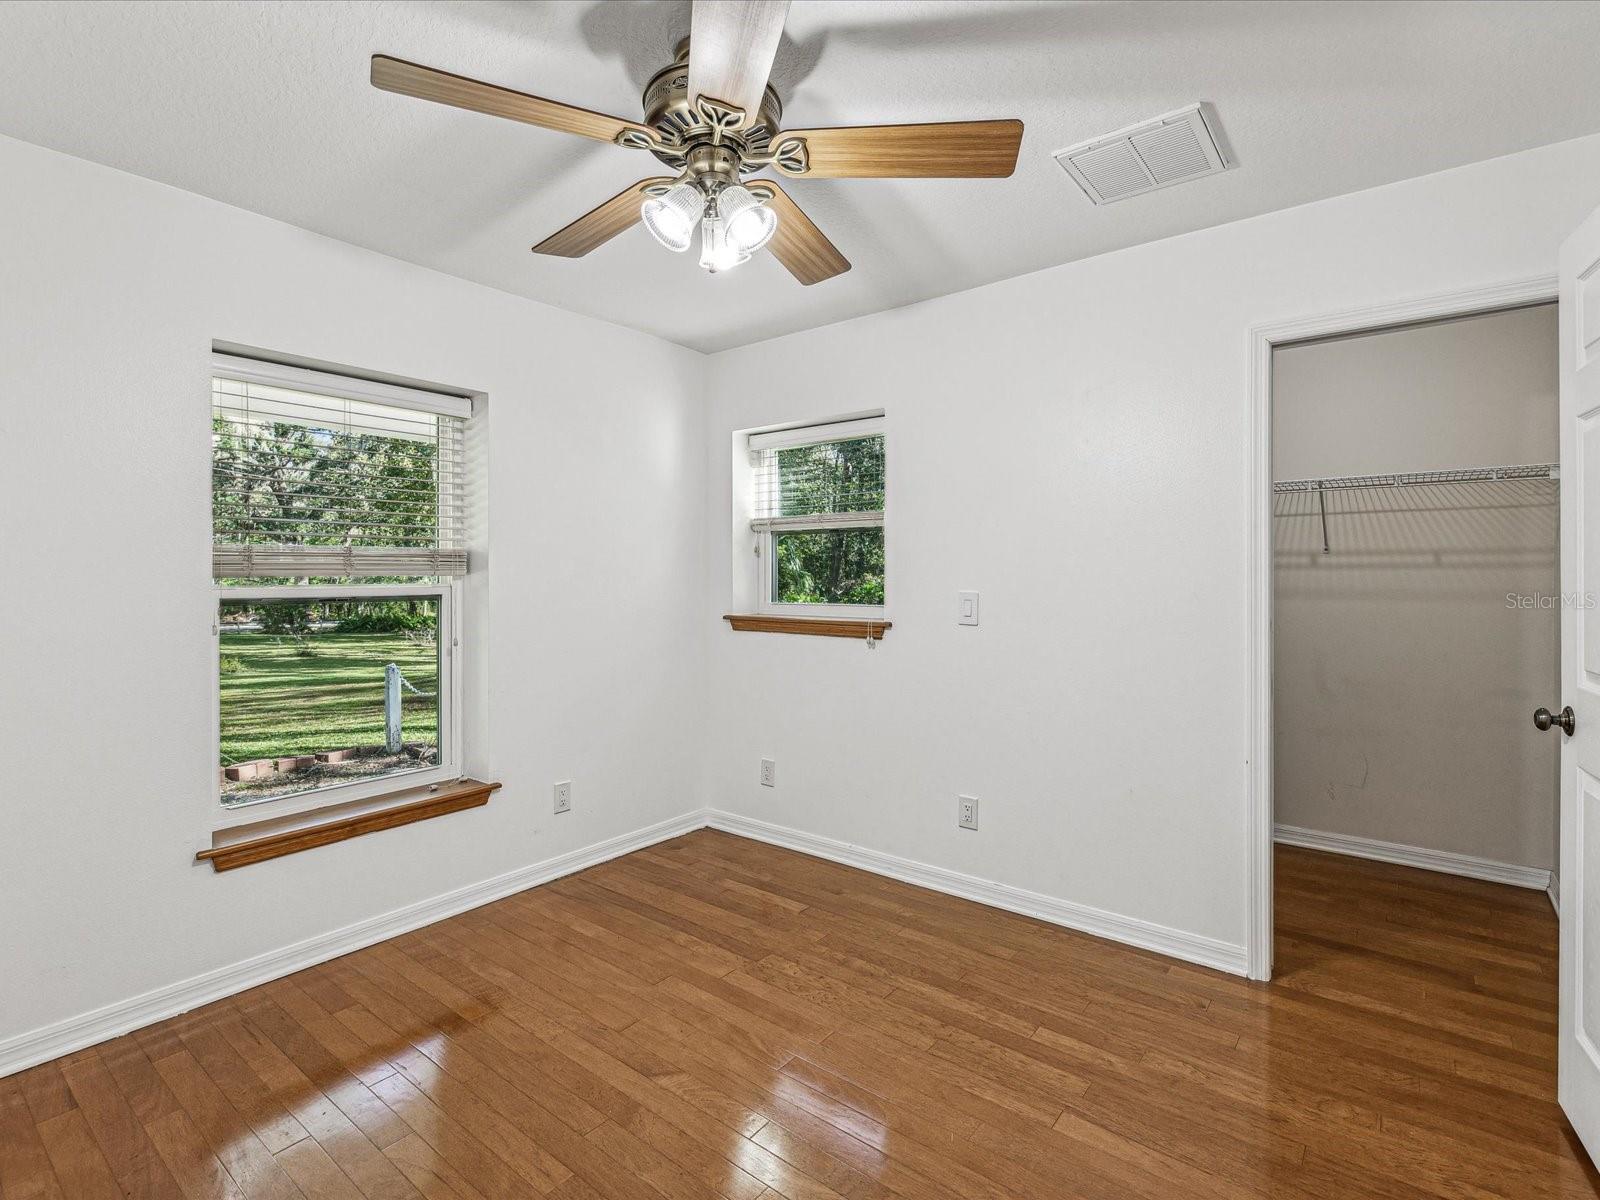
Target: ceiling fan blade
column 599, row 225
column 948, row 150
column 731, row 47
column 798, row 244
column 426, row 83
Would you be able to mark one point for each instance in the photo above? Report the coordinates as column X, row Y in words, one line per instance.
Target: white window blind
column 821, row 477
column 336, row 479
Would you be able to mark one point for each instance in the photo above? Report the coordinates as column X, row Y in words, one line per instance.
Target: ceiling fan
column 711, row 116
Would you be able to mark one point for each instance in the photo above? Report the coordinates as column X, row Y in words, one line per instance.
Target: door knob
column 1543, row 719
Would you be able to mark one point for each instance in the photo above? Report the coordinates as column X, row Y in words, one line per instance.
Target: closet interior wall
column 1409, row 655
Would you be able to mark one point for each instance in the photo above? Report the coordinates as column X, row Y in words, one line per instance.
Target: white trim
column 87, row 1029
column 347, row 387
column 1130, row 931
column 850, row 429
column 1554, row 892
column 812, row 521
column 847, row 612
column 222, row 817
column 768, row 529
column 1446, row 862
column 1260, row 341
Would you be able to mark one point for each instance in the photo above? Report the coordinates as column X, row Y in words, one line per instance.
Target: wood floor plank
column 455, row 1142
column 45, row 1091
column 122, row 1139
column 512, row 1125
column 325, row 1072
column 199, row 1172
column 715, row 1019
column 351, row 1053
column 317, row 1175
column 147, row 1095
column 244, row 1089
column 25, row 1170
column 78, row 1162
column 428, row 1172
column 325, row 1111
column 225, row 1131
column 498, row 1041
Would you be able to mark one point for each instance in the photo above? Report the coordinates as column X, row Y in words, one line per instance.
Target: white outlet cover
column 769, row 773
column 563, row 796
column 967, row 812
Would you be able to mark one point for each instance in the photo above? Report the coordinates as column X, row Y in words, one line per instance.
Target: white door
column 1580, row 682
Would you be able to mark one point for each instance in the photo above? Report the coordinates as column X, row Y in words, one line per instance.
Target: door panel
column 1579, row 1080
column 1587, row 835
column 1588, row 302
column 1589, row 444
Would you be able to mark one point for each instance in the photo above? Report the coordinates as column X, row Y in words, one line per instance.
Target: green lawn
column 280, row 703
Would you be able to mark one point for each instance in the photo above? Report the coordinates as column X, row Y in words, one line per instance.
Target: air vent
column 1143, row 157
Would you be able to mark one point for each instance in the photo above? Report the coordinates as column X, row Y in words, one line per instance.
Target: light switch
column 967, row 610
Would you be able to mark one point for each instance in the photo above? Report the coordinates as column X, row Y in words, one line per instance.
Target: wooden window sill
column 847, row 627
column 410, row 805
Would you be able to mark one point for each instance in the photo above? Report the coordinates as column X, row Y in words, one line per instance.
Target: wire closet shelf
column 1420, row 478
column 1321, row 487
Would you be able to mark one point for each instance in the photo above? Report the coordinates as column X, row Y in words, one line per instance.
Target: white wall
column 1073, row 444
column 1403, row 678
column 112, row 290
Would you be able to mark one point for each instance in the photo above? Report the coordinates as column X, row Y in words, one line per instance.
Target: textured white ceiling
column 267, row 106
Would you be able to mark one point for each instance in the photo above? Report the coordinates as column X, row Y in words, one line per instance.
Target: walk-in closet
column 1416, row 595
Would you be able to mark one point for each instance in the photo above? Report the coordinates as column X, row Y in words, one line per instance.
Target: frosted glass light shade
column 750, row 224
column 670, row 217
column 717, row 253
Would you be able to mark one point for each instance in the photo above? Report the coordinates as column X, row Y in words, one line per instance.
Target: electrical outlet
column 564, row 796
column 769, row 773
column 967, row 812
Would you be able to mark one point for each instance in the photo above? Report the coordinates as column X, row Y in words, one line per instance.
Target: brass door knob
column 1543, row 719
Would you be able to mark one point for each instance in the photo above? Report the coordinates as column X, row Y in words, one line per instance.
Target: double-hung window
column 339, row 540
column 818, row 503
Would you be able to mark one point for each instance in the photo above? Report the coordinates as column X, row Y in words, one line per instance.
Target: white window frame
column 446, row 769
column 447, row 591
column 767, row 530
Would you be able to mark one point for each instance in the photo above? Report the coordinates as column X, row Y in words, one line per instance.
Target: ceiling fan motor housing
column 671, row 112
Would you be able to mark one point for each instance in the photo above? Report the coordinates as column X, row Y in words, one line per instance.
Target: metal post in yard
column 391, row 708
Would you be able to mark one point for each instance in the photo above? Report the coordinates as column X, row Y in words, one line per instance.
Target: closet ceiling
column 267, row 106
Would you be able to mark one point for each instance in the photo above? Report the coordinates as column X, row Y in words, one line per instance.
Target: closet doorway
column 1416, row 629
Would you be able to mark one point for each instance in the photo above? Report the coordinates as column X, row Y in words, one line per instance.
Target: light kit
column 734, row 221
column 712, row 118
column 671, row 216
column 749, row 222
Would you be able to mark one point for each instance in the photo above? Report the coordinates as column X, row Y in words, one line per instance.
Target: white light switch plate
column 967, row 608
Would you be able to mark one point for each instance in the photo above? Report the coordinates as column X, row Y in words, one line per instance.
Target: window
column 818, row 504
column 338, row 543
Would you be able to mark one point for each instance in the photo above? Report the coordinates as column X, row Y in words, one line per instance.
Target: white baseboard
column 1554, row 892
column 1442, row 861
column 1176, row 943
column 87, row 1029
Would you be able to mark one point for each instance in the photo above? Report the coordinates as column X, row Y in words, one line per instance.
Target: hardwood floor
column 714, row 1017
